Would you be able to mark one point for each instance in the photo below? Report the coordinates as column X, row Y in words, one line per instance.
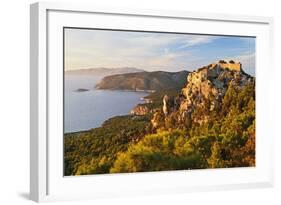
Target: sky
column 151, row 51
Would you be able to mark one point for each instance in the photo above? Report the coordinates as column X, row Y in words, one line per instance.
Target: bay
column 86, row 107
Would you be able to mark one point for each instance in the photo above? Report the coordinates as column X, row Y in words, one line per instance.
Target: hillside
column 103, row 71
column 207, row 123
column 205, row 91
column 147, row 81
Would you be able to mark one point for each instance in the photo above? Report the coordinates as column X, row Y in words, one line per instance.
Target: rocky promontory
column 144, row 81
column 204, row 91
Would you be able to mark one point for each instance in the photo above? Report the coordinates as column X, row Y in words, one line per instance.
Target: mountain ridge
column 103, row 71
column 144, row 81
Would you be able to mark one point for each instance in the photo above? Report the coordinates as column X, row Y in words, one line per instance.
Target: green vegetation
column 226, row 140
column 94, row 151
column 129, row 144
column 162, row 151
column 157, row 97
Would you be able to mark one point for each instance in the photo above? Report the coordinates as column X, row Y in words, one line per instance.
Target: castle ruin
column 231, row 65
column 213, row 70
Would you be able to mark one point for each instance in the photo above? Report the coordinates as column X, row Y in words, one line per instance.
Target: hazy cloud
column 153, row 51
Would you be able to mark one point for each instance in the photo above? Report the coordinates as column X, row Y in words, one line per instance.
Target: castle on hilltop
column 213, row 70
column 231, row 65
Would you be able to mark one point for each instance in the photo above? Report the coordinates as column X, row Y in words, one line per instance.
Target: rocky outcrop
column 166, row 102
column 204, row 90
column 171, row 104
column 140, row 109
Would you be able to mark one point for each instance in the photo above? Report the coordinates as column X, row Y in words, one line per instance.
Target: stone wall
column 231, row 66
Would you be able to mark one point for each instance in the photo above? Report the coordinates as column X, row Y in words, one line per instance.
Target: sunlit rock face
column 140, row 110
column 205, row 89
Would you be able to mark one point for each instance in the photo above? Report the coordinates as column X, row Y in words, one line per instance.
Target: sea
column 84, row 110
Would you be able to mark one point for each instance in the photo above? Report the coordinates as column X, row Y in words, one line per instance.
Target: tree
column 216, row 160
column 162, row 151
column 222, row 61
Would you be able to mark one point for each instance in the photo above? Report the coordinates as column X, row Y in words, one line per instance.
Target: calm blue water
column 89, row 109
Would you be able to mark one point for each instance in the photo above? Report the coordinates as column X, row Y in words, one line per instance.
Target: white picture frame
column 47, row 182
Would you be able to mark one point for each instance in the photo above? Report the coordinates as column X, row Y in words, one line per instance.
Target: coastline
column 141, row 100
column 129, row 90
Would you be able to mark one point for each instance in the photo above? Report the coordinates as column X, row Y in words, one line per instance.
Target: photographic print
column 142, row 101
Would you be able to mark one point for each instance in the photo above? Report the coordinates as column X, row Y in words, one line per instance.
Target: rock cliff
column 203, row 92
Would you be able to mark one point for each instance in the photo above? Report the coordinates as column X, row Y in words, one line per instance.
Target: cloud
column 197, row 40
column 105, row 49
column 149, row 51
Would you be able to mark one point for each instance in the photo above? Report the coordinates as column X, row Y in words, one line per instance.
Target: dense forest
column 132, row 143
